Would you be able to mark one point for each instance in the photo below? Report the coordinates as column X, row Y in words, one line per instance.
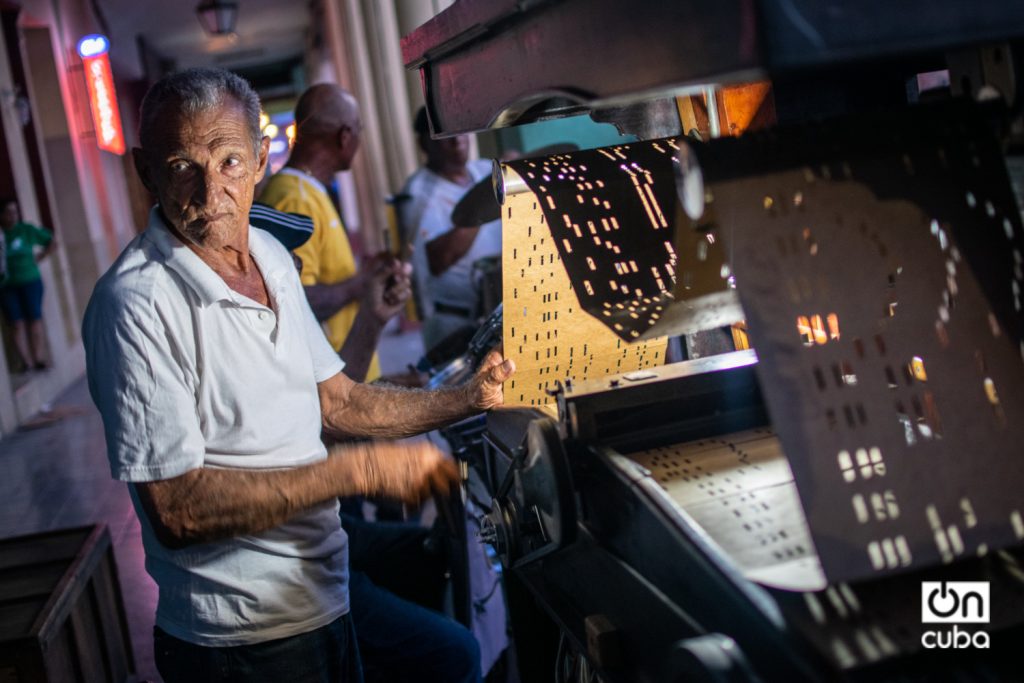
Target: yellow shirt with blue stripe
column 327, row 257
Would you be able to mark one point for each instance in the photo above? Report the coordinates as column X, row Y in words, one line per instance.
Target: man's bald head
column 323, row 110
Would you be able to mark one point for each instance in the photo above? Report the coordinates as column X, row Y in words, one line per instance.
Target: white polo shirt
column 188, row 373
column 433, row 198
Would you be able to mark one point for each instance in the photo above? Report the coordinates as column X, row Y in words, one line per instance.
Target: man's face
column 454, row 151
column 204, row 172
column 9, row 215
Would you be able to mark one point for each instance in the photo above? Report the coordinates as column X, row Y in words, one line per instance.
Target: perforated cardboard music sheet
column 546, row 331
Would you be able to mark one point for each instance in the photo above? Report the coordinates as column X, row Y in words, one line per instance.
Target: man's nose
column 209, row 189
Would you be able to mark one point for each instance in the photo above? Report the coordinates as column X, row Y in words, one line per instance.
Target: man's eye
column 231, row 162
column 179, row 166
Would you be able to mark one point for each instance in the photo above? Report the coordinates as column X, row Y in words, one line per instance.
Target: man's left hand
column 485, row 389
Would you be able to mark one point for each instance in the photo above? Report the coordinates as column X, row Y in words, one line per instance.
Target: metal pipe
column 714, row 125
column 506, row 182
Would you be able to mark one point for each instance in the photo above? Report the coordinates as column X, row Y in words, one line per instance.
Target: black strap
column 440, row 307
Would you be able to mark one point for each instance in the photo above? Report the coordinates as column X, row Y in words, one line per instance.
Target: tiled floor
column 58, row 476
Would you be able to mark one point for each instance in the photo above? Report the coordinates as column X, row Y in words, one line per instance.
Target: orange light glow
column 917, row 369
column 813, row 330
column 833, row 326
column 818, row 327
column 105, row 115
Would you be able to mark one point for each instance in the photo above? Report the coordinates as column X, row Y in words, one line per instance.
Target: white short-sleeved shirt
column 188, row 373
column 429, row 212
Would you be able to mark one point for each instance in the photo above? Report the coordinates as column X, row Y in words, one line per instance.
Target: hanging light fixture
column 218, row 16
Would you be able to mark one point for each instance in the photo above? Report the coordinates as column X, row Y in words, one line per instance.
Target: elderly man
column 214, row 382
column 327, row 128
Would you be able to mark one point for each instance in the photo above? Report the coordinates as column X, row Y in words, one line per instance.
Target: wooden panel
column 61, row 614
column 20, row 583
column 42, row 548
column 546, row 332
column 61, row 658
column 112, row 622
column 85, row 628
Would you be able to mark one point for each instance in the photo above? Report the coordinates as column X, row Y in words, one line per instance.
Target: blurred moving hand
column 407, row 472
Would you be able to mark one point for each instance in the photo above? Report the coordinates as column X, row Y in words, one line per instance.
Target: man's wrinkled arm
column 208, row 504
column 352, row 409
column 381, row 411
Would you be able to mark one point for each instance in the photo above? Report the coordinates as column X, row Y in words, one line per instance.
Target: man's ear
column 142, row 168
column 262, row 158
column 344, row 137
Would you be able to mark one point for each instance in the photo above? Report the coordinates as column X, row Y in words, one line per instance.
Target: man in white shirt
column 214, row 381
column 444, row 253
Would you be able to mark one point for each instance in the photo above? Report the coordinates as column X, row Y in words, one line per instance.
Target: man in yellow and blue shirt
column 326, row 140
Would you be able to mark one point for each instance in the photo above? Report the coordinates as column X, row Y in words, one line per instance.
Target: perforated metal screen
column 879, row 263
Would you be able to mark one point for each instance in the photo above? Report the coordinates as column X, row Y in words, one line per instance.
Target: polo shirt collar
column 208, row 286
column 288, row 170
column 275, row 270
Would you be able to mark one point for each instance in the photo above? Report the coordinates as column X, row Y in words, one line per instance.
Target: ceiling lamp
column 218, row 16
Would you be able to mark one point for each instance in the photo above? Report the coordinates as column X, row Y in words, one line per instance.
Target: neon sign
column 93, row 46
column 100, row 82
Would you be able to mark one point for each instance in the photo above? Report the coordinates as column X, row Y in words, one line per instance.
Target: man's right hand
column 388, row 288
column 406, row 471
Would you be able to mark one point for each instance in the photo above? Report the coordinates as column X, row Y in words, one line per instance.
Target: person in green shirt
column 21, row 293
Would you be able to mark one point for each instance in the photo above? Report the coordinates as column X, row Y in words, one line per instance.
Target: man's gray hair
column 194, row 91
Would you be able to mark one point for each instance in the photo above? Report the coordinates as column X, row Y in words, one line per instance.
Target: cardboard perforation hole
column 819, row 378
column 931, row 414
column 905, row 424
column 837, row 375
column 849, row 376
column 848, row 414
column 833, row 326
column 923, row 428
column 810, row 242
column 917, row 370
column 993, row 398
column 993, row 325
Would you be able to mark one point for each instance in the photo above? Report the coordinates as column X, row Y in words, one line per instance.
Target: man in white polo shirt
column 214, row 381
column 444, row 253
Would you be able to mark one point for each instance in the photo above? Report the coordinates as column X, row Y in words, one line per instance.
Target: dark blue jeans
column 326, row 655
column 395, row 579
column 400, row 641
